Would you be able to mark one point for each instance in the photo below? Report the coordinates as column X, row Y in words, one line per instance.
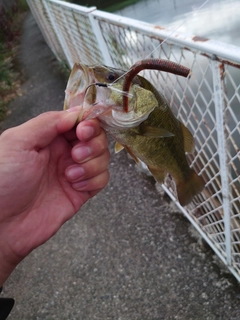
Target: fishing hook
column 108, row 85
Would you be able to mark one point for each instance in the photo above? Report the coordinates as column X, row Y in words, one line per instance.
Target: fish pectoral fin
column 158, row 174
column 154, row 132
column 188, row 139
column 118, row 147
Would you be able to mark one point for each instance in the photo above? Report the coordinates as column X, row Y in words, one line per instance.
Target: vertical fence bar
column 101, row 42
column 71, row 62
column 218, row 88
column 58, row 33
column 39, row 15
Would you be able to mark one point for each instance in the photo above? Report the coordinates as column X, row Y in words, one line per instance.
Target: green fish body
column 150, row 132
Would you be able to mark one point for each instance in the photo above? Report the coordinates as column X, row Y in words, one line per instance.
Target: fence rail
column 207, row 103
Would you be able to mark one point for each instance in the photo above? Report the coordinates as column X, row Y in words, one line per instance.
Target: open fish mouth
column 80, row 78
column 105, row 102
column 87, row 88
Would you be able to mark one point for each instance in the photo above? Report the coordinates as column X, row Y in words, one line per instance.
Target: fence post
column 101, row 42
column 218, row 87
column 58, row 33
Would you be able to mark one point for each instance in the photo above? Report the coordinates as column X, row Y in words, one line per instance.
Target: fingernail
column 87, row 132
column 79, row 185
column 74, row 173
column 81, row 153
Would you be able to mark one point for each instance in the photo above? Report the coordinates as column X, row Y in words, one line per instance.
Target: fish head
column 81, row 77
column 98, row 90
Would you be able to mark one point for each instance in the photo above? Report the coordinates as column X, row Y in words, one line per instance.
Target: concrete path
column 129, row 254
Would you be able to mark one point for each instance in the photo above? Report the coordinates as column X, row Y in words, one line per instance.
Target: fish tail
column 189, row 188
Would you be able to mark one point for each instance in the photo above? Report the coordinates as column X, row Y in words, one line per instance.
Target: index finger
column 41, row 130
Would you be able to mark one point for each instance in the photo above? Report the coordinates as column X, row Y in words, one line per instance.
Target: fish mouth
column 80, row 78
column 97, row 99
column 129, row 119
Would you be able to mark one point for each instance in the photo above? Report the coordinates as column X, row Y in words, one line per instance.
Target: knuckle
column 102, row 145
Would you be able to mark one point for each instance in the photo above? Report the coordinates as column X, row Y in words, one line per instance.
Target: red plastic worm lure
column 155, row 64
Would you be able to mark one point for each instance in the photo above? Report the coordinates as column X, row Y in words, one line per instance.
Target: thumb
column 42, row 130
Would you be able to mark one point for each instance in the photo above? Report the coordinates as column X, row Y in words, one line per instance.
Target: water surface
column 217, row 19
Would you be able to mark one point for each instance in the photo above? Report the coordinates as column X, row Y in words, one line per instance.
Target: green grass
column 22, row 5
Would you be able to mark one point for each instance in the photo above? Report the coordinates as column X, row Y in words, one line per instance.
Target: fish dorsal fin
column 154, row 132
column 188, row 139
column 118, row 147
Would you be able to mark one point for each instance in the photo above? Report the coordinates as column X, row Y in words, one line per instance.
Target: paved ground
column 129, row 254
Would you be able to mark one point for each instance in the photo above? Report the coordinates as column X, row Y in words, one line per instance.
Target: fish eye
column 111, row 77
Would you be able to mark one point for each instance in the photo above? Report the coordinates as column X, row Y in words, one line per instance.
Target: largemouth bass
column 149, row 131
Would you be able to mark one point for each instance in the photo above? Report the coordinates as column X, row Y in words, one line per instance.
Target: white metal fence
column 208, row 103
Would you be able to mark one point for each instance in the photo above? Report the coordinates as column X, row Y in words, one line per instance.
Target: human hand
column 48, row 170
